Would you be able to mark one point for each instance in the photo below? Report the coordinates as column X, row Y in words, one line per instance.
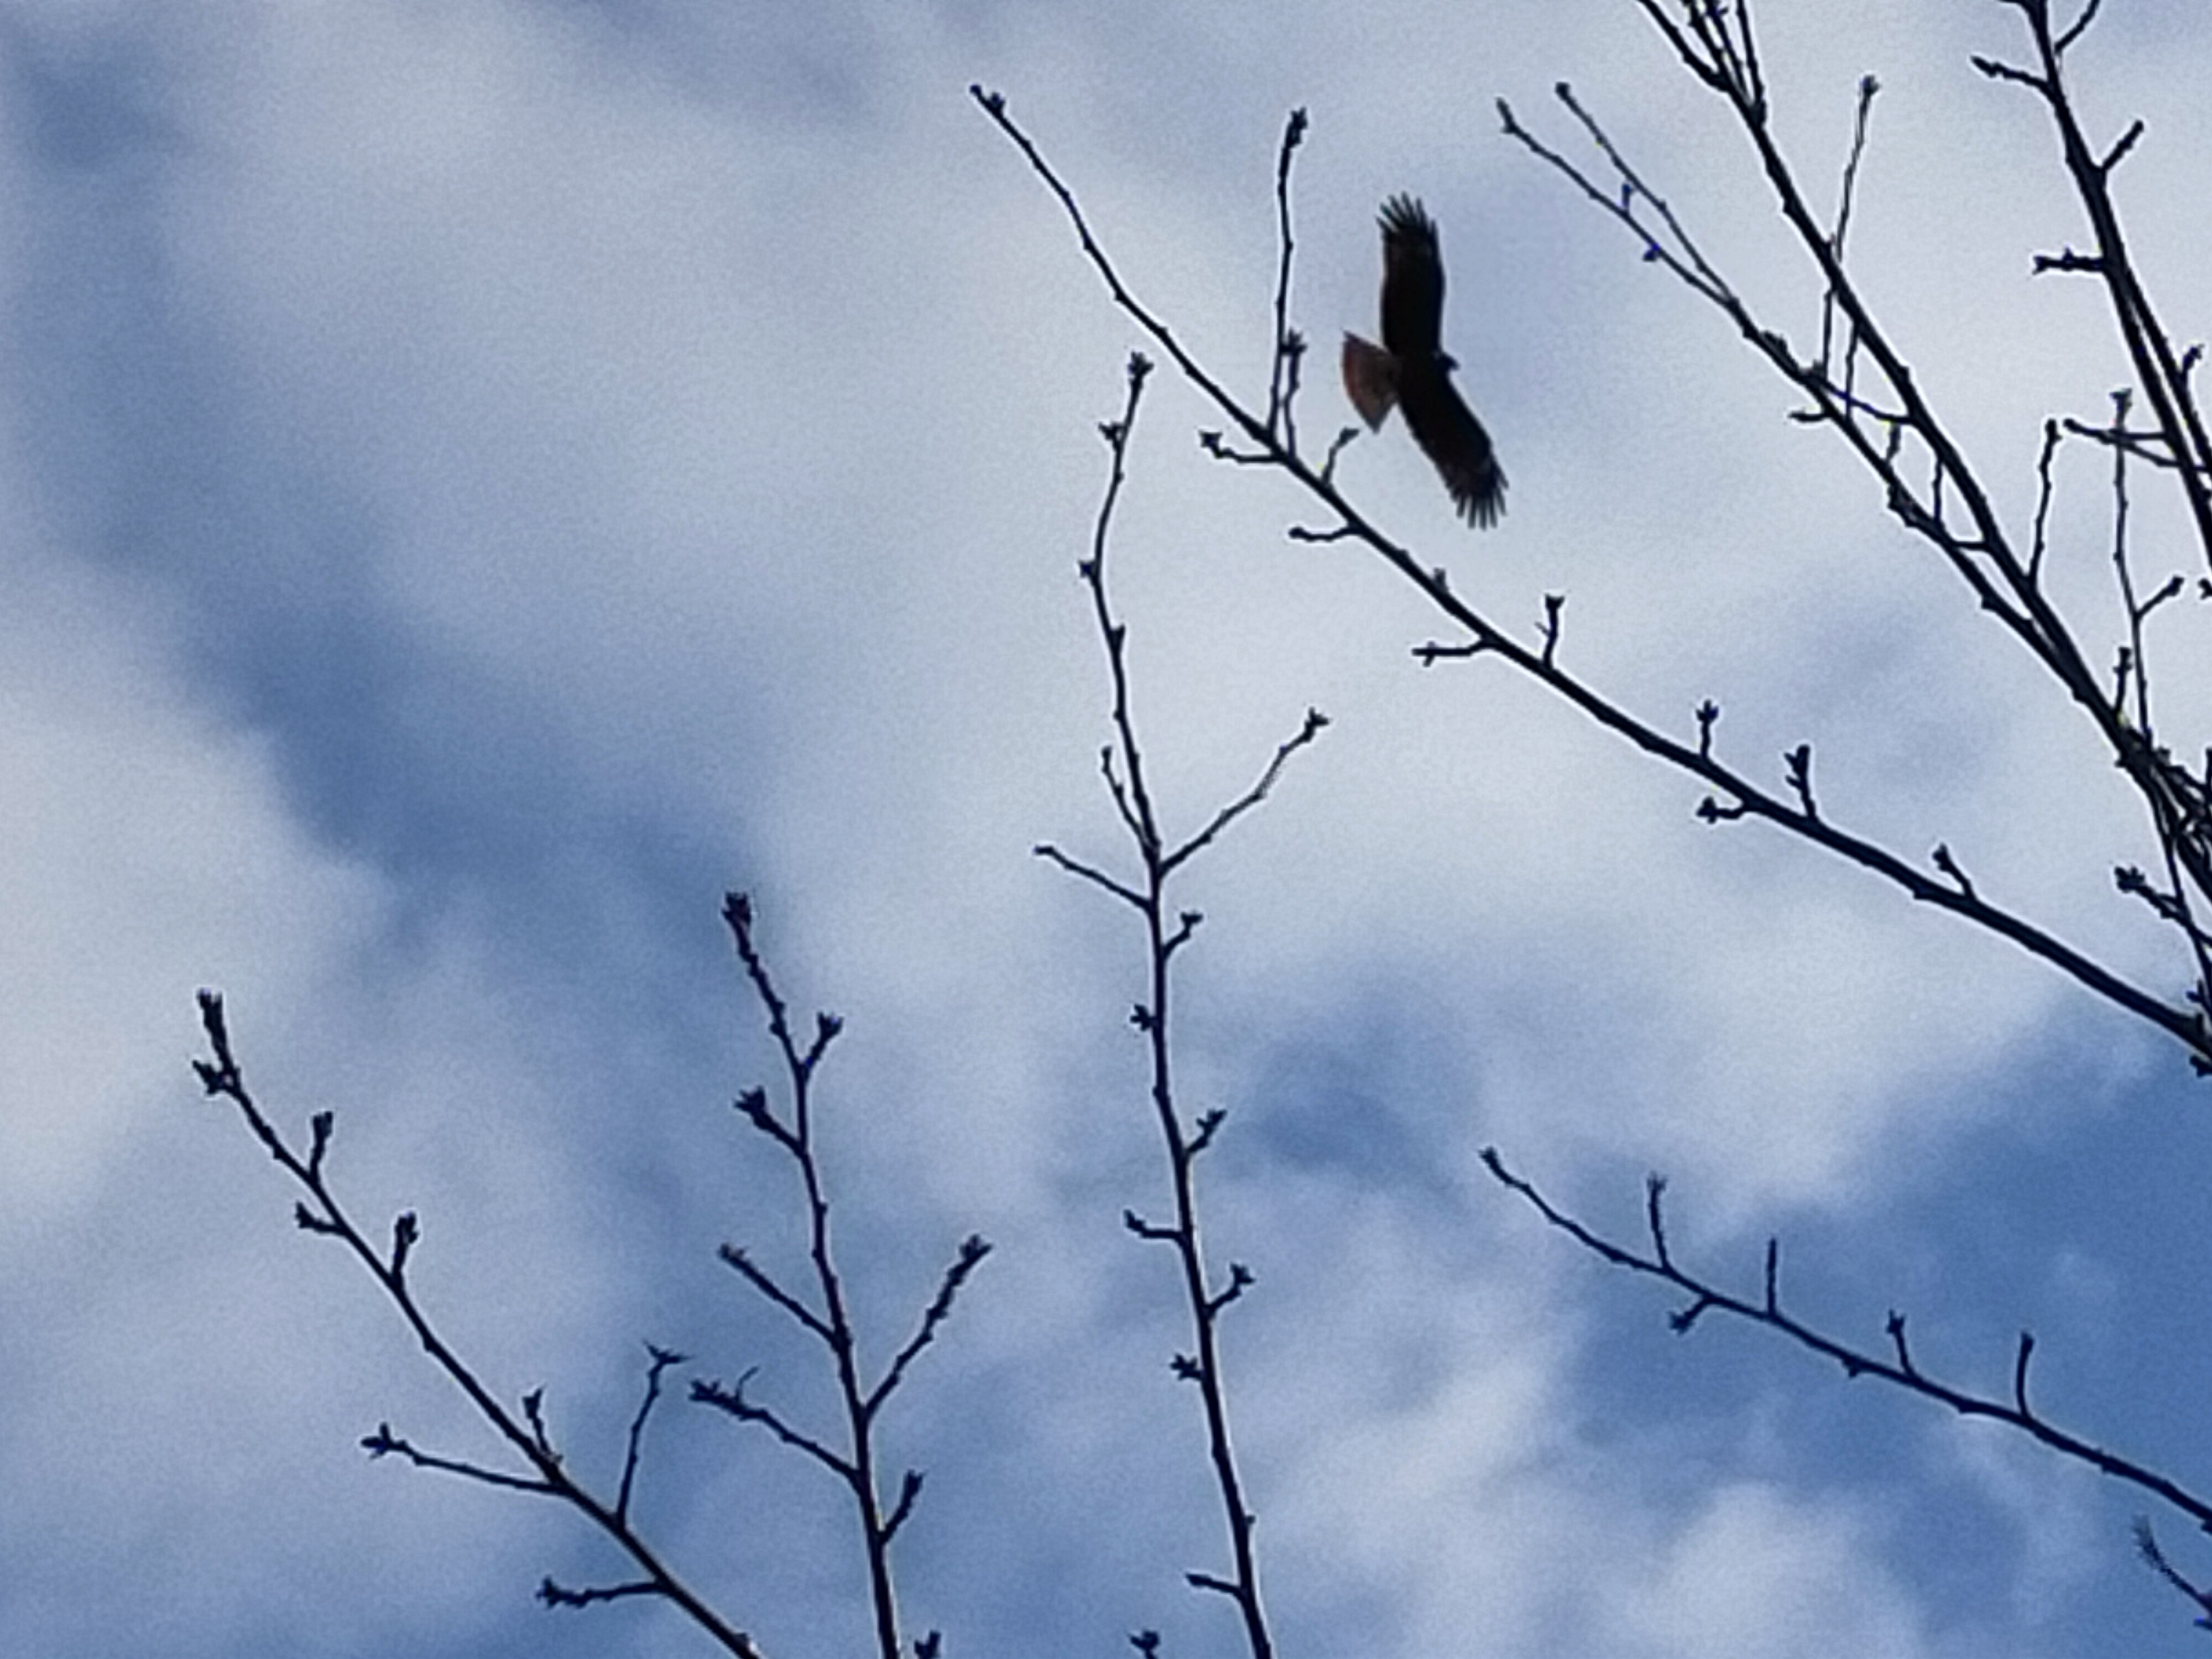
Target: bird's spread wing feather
column 1412, row 280
column 1450, row 436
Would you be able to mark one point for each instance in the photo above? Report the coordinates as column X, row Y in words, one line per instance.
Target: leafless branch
column 1289, row 350
column 828, row 1318
column 730, row 1398
column 2161, row 373
column 221, row 1076
column 1706, row 1297
column 385, row 1444
column 2155, row 1558
column 758, row 1277
column 662, row 1359
column 1052, row 854
column 1316, row 721
column 973, row 1249
column 1166, row 932
column 554, row 1595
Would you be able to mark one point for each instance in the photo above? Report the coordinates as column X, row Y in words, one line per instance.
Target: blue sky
column 478, row 480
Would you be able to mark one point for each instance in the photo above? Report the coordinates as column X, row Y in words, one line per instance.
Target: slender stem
column 833, row 1322
column 1898, row 1368
column 1165, row 933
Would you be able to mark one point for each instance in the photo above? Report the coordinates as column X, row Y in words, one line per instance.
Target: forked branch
column 1166, row 932
column 322, row 1213
column 822, row 1310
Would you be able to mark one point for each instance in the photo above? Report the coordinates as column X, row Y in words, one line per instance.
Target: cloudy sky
column 479, row 479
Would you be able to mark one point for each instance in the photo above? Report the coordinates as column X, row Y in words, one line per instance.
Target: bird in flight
column 1412, row 370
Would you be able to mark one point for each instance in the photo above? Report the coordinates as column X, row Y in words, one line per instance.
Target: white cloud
column 1755, row 1574
column 146, row 851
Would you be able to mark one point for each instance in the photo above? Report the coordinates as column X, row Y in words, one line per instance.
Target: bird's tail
column 1371, row 378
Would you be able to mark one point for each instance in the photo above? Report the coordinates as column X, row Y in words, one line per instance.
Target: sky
column 480, row 480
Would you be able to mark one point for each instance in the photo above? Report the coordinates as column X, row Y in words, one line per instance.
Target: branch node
column 1799, row 760
column 1943, row 859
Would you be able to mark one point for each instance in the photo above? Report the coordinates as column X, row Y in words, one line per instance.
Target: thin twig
column 1289, row 349
column 662, row 1359
column 1708, row 1297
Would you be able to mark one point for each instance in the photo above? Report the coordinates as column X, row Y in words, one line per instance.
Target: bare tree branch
column 662, row 1359
column 221, row 1076
column 854, row 1463
column 1165, row 934
column 973, row 1249
column 1899, row 1369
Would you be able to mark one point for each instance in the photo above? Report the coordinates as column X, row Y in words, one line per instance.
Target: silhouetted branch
column 1555, row 606
column 1315, row 723
column 1047, row 851
column 973, row 1249
column 221, row 1076
column 2144, row 445
column 662, row 1359
column 1869, row 86
column 758, row 1277
column 1151, row 1230
column 829, row 1317
column 385, row 1444
column 1289, row 350
column 730, row 1398
column 554, row 1594
column 910, row 1490
column 2002, row 583
column 2160, row 374
column 1706, row 1297
column 1151, row 1019
column 2155, row 1558
column 2042, row 500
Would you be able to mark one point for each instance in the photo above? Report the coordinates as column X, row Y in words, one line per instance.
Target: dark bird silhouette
column 1411, row 369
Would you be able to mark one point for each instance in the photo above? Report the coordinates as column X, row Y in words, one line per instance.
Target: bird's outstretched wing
column 1450, row 436
column 1413, row 280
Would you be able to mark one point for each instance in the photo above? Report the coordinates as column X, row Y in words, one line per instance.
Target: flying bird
column 1411, row 369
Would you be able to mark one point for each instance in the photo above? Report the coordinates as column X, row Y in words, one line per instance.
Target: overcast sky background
column 478, row 479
